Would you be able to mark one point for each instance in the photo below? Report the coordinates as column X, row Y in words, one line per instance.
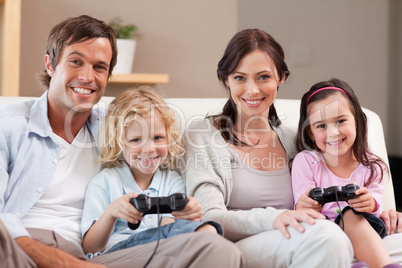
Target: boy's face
column 146, row 145
column 79, row 79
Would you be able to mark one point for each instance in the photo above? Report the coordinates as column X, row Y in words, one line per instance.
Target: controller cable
column 159, row 233
column 340, row 210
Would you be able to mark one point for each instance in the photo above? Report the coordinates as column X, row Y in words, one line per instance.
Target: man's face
column 79, row 79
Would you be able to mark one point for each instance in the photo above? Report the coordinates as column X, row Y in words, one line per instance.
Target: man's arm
column 48, row 257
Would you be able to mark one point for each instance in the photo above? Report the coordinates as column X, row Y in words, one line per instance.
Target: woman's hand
column 293, row 218
column 364, row 202
column 305, row 202
column 391, row 218
column 121, row 208
column 192, row 211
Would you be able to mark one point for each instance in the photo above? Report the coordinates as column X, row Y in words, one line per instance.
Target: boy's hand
column 364, row 202
column 305, row 202
column 192, row 211
column 121, row 208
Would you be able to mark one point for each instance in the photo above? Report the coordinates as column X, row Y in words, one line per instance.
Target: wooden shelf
column 139, row 78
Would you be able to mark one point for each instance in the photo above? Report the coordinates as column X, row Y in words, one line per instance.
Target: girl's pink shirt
column 309, row 169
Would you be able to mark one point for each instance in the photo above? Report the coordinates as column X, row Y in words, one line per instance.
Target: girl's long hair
column 360, row 147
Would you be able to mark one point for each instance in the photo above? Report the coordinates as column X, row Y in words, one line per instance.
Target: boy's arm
column 48, row 257
column 96, row 238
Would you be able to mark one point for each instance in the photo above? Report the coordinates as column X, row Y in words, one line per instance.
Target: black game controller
column 334, row 193
column 148, row 205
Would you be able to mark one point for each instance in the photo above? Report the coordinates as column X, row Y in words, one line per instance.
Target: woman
column 236, row 165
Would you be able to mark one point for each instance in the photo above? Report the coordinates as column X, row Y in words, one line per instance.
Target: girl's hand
column 305, row 202
column 364, row 202
column 121, row 208
column 192, row 211
column 293, row 218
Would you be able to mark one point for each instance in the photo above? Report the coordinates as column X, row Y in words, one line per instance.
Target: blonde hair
column 128, row 107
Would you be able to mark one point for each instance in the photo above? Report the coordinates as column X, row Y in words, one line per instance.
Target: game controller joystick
column 148, row 205
column 334, row 193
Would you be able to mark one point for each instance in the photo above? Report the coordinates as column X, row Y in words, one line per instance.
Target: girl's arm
column 303, row 181
column 370, row 198
column 305, row 202
column 96, row 238
column 364, row 202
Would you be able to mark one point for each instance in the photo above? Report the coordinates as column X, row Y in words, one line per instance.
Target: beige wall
column 182, row 38
column 394, row 138
column 324, row 39
column 359, row 41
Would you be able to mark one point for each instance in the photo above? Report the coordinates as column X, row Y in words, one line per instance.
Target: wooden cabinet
column 10, row 48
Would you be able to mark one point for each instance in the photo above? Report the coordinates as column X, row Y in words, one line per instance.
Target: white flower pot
column 125, row 56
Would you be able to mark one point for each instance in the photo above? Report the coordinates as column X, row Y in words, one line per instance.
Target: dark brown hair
column 360, row 147
column 74, row 30
column 241, row 44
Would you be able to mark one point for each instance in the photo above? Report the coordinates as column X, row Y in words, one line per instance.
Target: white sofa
column 188, row 109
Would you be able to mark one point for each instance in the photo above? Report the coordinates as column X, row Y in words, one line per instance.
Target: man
column 48, row 156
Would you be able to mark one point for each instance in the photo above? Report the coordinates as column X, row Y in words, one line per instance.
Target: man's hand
column 48, row 257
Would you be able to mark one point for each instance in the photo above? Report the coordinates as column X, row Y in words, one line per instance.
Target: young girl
column 139, row 146
column 333, row 151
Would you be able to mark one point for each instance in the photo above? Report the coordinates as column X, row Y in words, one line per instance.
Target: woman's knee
column 328, row 233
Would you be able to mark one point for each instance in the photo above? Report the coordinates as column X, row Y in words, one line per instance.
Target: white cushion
column 288, row 111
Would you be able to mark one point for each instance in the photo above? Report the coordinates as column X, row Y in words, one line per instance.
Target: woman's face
column 253, row 85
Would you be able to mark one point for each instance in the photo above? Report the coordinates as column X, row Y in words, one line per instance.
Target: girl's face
column 253, row 85
column 146, row 144
column 332, row 126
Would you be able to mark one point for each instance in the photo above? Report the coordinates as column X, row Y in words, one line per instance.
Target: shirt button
column 40, row 189
column 149, row 220
column 54, row 161
column 17, row 215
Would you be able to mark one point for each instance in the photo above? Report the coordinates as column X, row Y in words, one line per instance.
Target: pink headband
column 324, row 88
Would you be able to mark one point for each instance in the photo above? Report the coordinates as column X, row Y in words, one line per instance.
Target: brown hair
column 74, row 30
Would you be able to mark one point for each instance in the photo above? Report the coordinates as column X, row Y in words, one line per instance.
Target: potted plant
column 125, row 45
